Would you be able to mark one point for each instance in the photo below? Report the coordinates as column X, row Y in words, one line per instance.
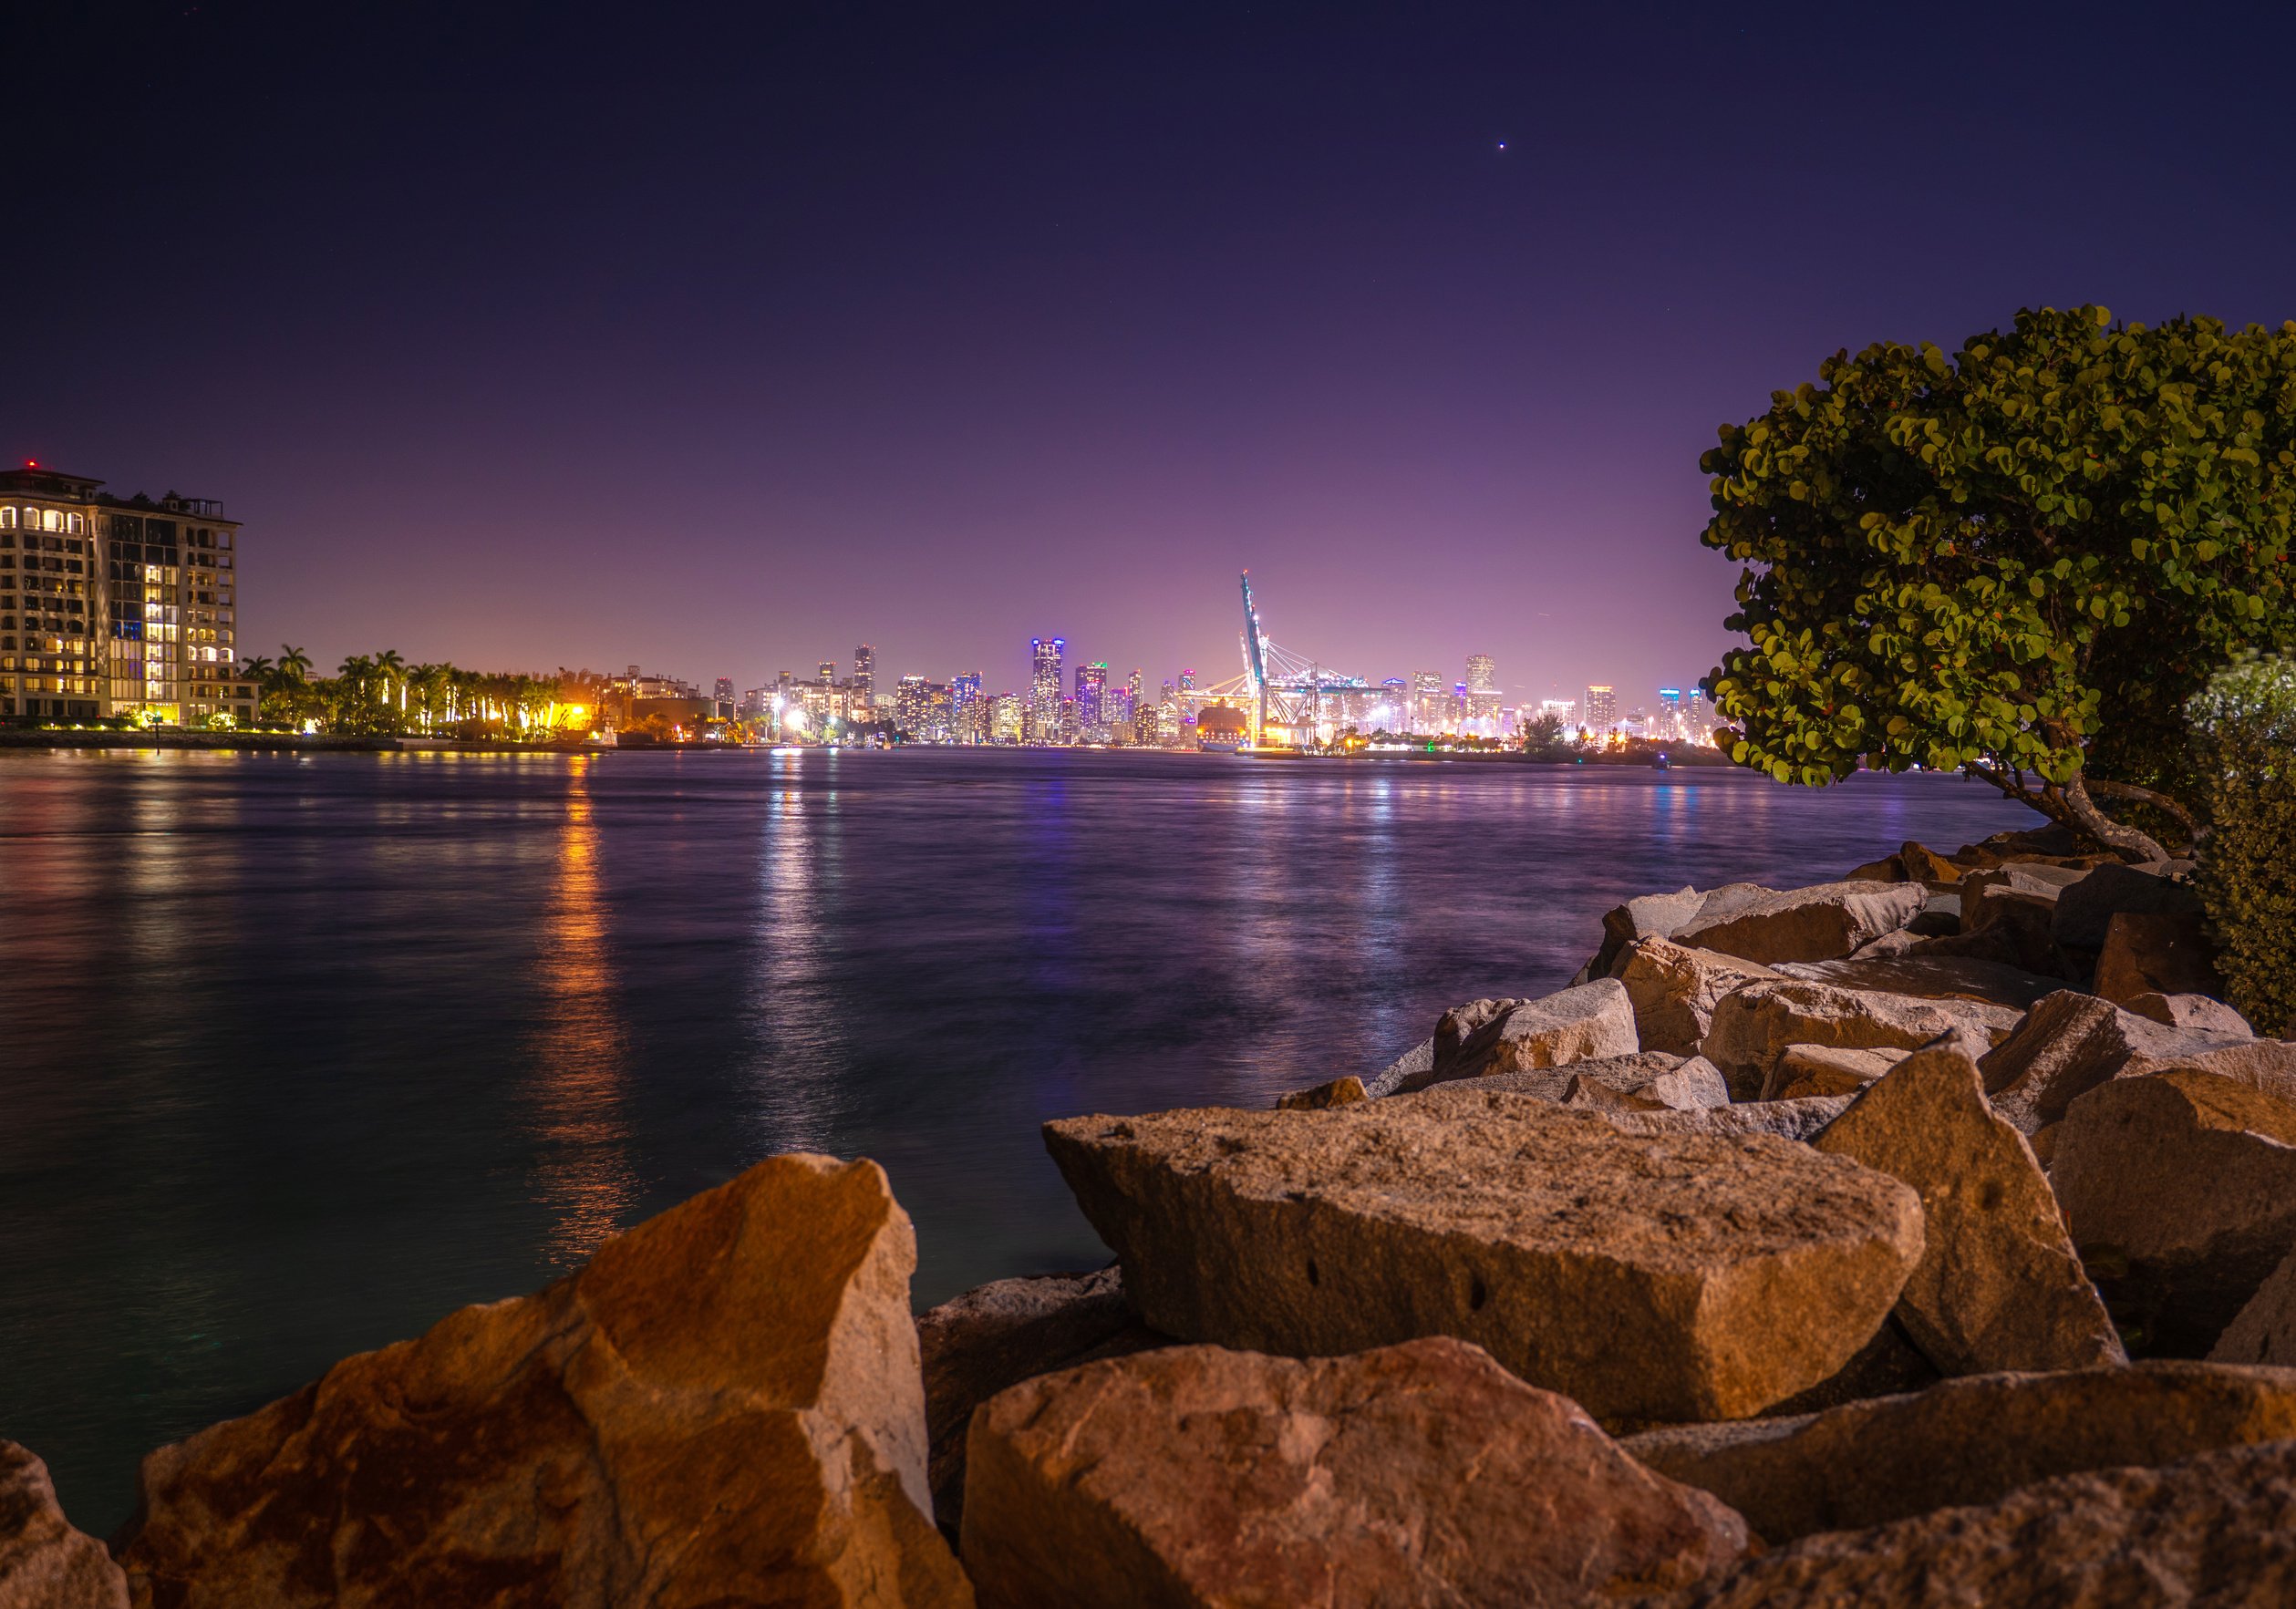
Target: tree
column 2017, row 562
column 293, row 662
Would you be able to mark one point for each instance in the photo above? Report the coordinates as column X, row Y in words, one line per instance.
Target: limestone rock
column 2185, row 1184
column 1344, row 1091
column 1888, row 869
column 2210, row 1531
column 1923, row 864
column 1798, row 1119
column 1999, row 1285
column 2190, row 1011
column 2069, row 1043
column 1674, row 989
column 1753, row 1025
column 1888, row 1365
column 47, row 1564
column 1654, row 1277
column 2268, row 1065
column 1646, row 917
column 998, row 1334
column 2009, row 927
column 1412, row 1062
column 2265, row 1330
column 1971, row 1440
column 1647, row 1080
column 1927, row 976
column 1420, row 1474
column 1821, row 924
column 723, row 1406
column 2085, row 909
column 1826, row 1070
column 2156, row 952
column 1495, row 1036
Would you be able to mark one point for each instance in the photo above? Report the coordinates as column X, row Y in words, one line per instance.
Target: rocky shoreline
column 1923, row 1237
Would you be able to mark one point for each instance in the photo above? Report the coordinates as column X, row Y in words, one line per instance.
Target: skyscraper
column 1669, row 724
column 1480, row 694
column 1092, row 688
column 864, row 673
column 1427, row 701
column 828, row 673
column 1600, row 707
column 969, row 712
column 1044, row 686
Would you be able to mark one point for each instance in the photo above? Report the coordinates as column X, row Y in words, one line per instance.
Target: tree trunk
column 2088, row 819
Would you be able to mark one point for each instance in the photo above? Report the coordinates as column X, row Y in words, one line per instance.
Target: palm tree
column 294, row 663
column 257, row 669
column 393, row 669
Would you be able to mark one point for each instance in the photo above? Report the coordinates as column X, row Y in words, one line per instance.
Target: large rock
column 722, row 1407
column 2183, row 1184
column 1971, row 1440
column 1826, row 1070
column 1999, row 1285
column 996, row 1336
column 1648, row 1079
column 1344, row 1091
column 1412, row 1062
column 2156, row 952
column 2068, row 1045
column 1417, row 1474
column 1800, row 1119
column 47, row 1564
column 2191, row 1010
column 1674, row 990
column 1648, row 916
column 1826, row 923
column 2086, row 908
column 2210, row 1531
column 1927, row 976
column 1495, row 1037
column 1660, row 1277
column 1753, row 1025
column 2265, row 1330
column 2006, row 925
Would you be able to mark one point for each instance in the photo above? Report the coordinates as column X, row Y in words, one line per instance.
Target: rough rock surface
column 2184, row 1185
column 995, row 1337
column 1648, row 916
column 1648, row 1079
column 1674, row 990
column 1930, row 977
column 1412, row 1062
column 2211, row 1532
column 1971, row 1440
column 1495, row 1037
column 1826, row 1070
column 2190, row 1011
column 2268, row 1065
column 2008, row 926
column 2068, row 1045
column 2265, row 1330
column 44, row 1562
column 1423, row 1474
column 1344, row 1091
column 722, row 1407
column 1753, row 1027
column 1998, row 1286
column 2156, row 952
column 1663, row 1276
column 1782, row 1119
column 2085, row 909
column 1824, row 922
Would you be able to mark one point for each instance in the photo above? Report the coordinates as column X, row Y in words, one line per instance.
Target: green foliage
column 2244, row 740
column 1542, row 737
column 2020, row 560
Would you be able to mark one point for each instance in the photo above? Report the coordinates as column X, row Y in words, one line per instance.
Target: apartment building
column 113, row 606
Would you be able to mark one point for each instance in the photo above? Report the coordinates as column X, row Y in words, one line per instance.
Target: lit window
column 7, row 519
column 50, row 519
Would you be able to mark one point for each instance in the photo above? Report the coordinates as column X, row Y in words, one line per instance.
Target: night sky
column 720, row 342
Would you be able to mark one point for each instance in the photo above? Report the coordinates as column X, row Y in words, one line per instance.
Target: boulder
column 1674, row 990
column 723, row 1406
column 1886, row 870
column 2268, row 1065
column 1923, row 864
column 2009, row 927
column 2156, row 952
column 1647, row 1080
column 2218, row 1528
column 1657, row 1276
column 1648, row 916
column 2190, row 1011
column 1753, row 1025
column 1782, row 1119
column 1417, row 1474
column 1412, row 1062
column 2069, row 1043
column 1495, row 1036
column 1971, row 1440
column 1826, row 1070
column 47, row 1564
column 996, row 1336
column 2183, row 1185
column 1927, row 976
column 1825, row 922
column 1344, row 1091
column 1999, row 1285
column 2264, row 1331
column 2086, row 908
column 1888, row 1365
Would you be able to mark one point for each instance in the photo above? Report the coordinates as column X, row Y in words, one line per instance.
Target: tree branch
column 2159, row 801
column 2125, row 841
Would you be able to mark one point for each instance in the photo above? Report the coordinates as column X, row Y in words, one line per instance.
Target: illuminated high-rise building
column 969, row 720
column 1481, row 695
column 1427, row 701
column 1600, row 707
column 864, row 673
column 1669, row 724
column 1188, row 681
column 1698, row 717
column 1044, row 687
column 1092, row 697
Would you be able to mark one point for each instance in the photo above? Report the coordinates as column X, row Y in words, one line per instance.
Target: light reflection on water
column 301, row 1052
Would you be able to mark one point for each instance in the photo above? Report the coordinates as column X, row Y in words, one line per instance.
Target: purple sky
column 721, row 346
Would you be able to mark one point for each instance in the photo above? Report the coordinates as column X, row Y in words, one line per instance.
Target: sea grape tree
column 2019, row 561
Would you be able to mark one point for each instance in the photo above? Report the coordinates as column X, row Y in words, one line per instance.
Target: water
column 298, row 1053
